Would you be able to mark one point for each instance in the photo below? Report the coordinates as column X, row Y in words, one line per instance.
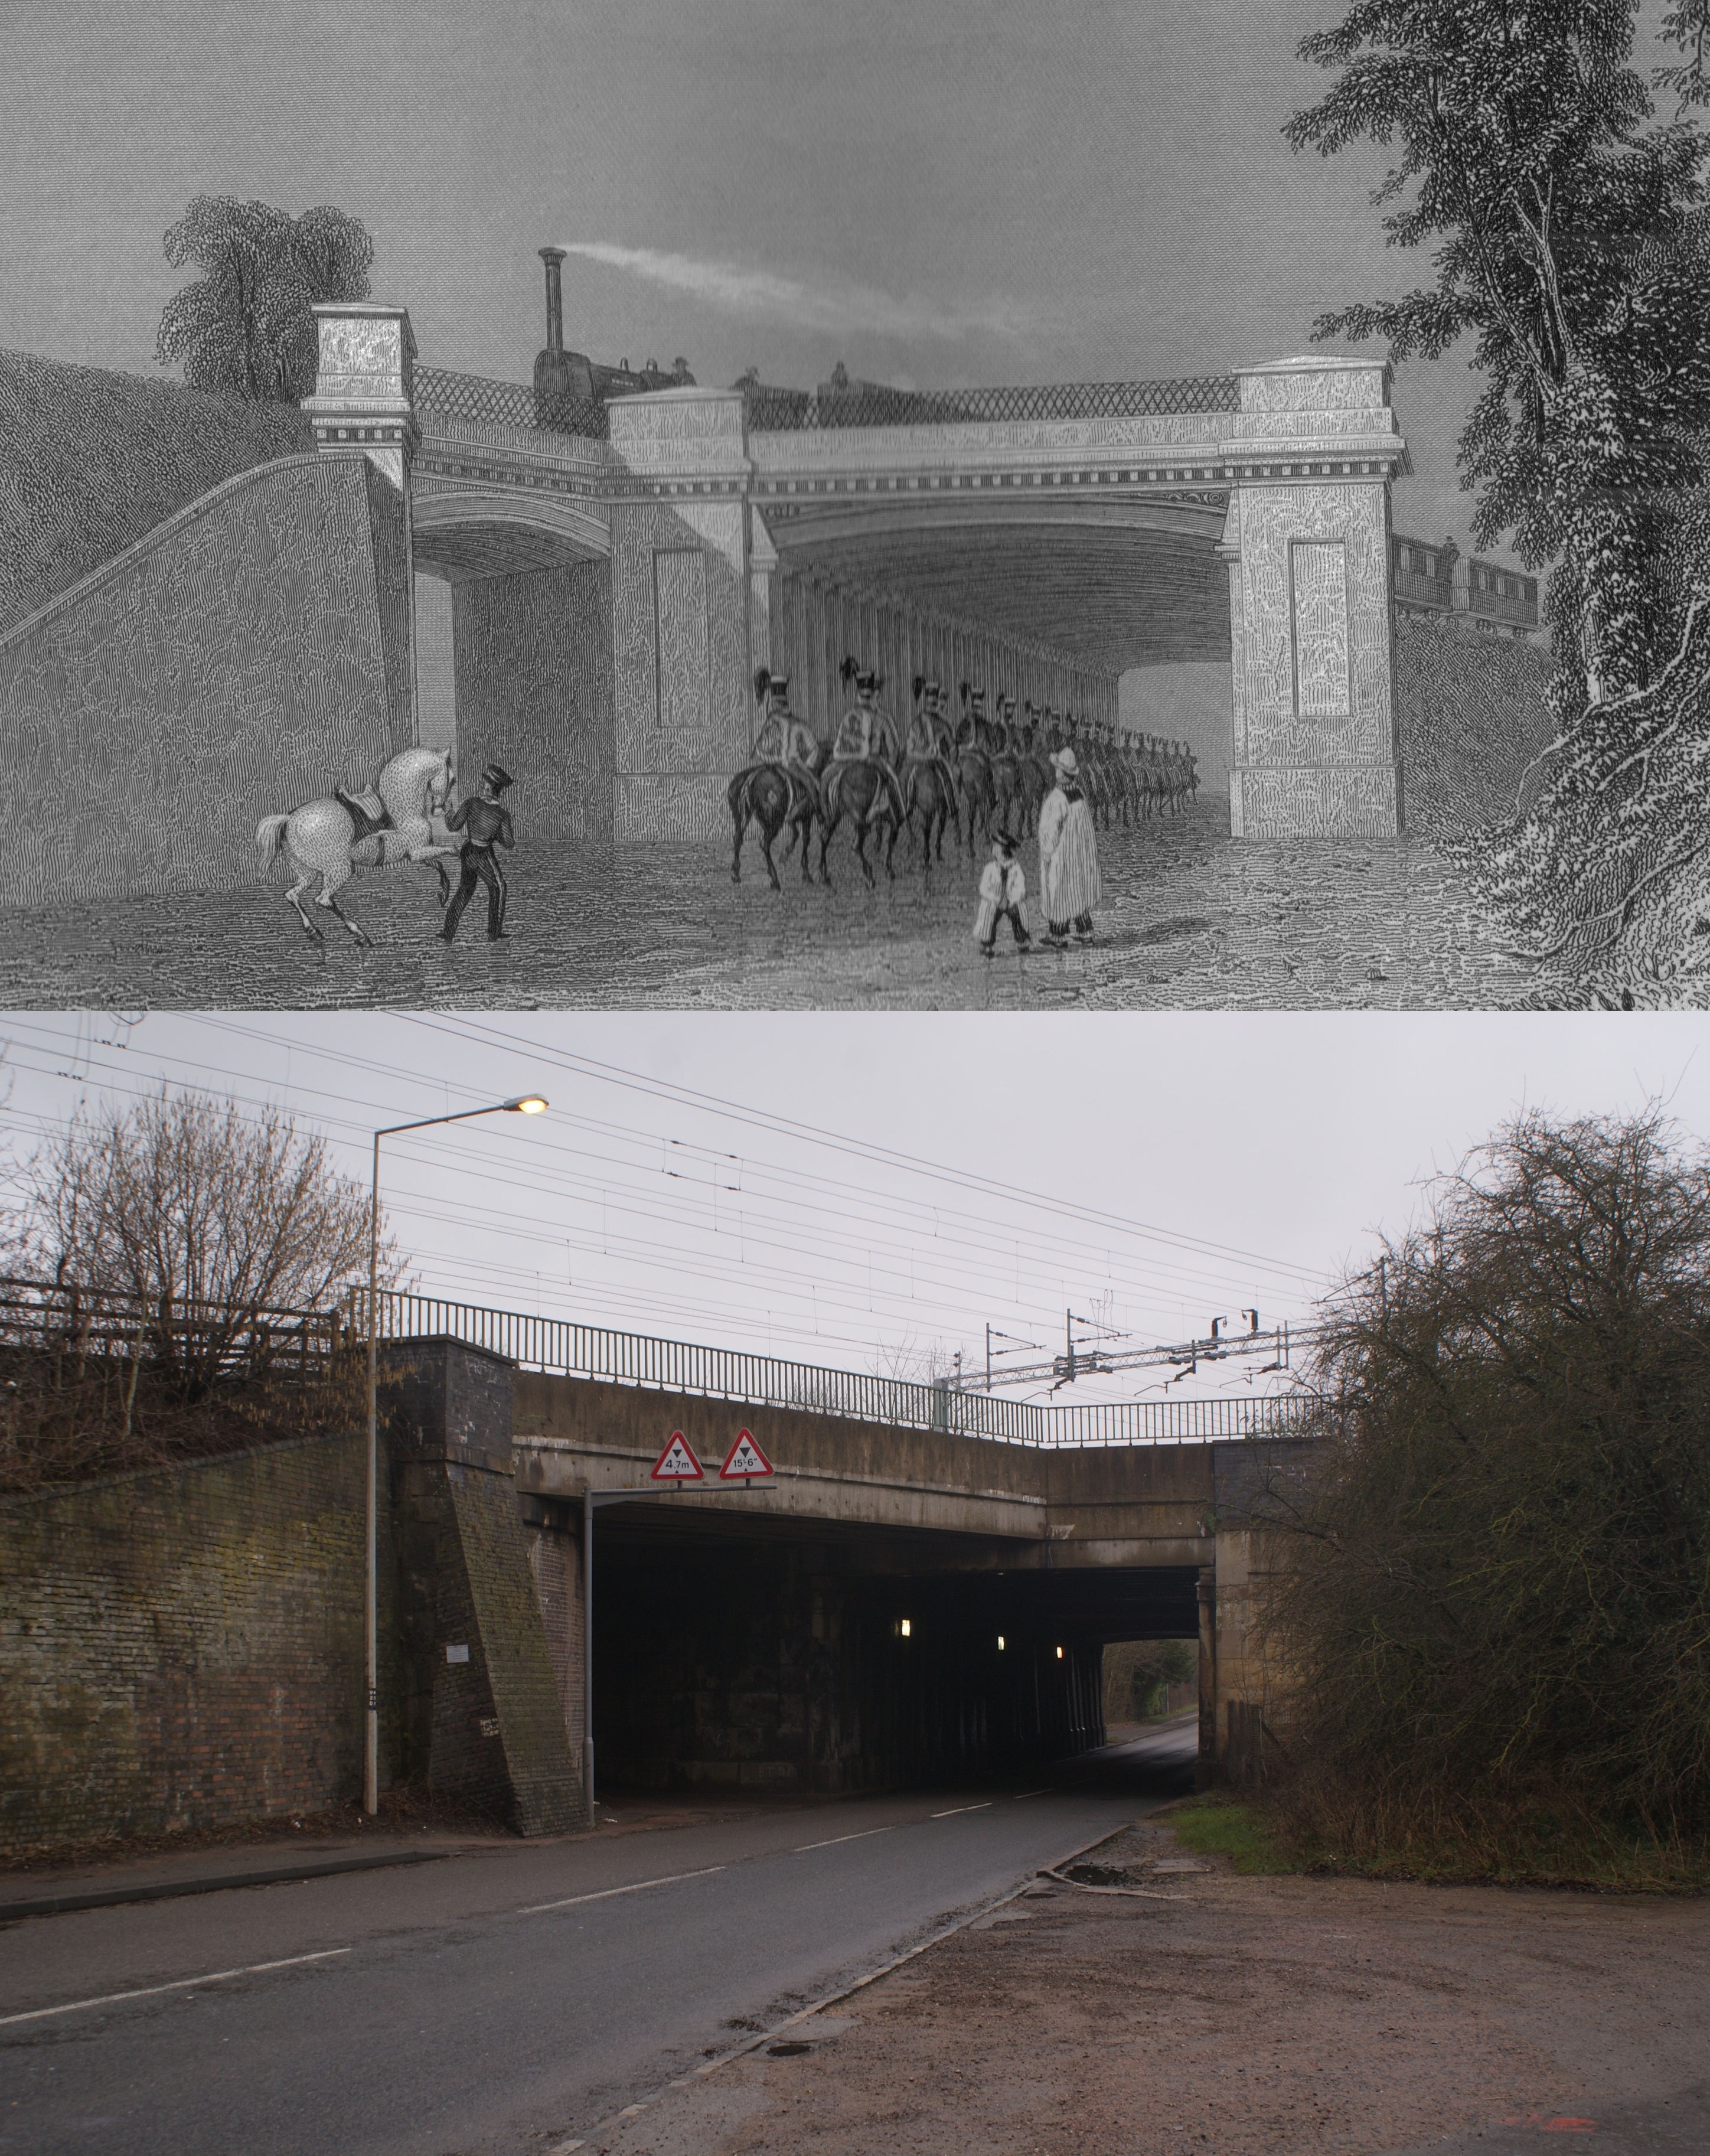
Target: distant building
column 1436, row 582
column 1500, row 602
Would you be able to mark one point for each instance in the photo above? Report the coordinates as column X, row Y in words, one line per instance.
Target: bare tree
column 1497, row 1595
column 204, row 1218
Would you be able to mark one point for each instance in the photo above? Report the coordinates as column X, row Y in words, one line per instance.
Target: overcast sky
column 1231, row 1160
column 936, row 191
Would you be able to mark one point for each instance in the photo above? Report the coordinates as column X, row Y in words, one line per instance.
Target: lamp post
column 526, row 1104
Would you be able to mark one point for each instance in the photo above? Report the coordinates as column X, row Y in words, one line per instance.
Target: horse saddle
column 367, row 811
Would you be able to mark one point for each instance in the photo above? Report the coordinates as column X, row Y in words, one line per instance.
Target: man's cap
column 778, row 685
column 1004, row 839
column 865, row 678
column 496, row 776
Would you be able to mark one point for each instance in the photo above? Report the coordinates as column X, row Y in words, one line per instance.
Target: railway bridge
column 595, row 583
column 923, row 1591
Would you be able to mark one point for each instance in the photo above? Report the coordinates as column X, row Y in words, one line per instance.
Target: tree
column 209, row 1220
column 245, row 325
column 1499, row 1590
column 1139, row 1675
column 1573, row 245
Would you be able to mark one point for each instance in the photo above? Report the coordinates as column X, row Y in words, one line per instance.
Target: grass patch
column 1215, row 1826
column 1334, row 1834
column 1604, row 1860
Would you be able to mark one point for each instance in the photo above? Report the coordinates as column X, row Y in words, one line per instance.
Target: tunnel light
column 1000, row 1643
column 1060, row 1654
column 903, row 1627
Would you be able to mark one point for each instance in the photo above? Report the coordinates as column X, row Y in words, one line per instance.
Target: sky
column 1148, row 1172
column 936, row 191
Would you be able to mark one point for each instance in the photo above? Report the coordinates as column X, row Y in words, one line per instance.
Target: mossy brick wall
column 527, row 1718
column 555, row 1559
column 182, row 1647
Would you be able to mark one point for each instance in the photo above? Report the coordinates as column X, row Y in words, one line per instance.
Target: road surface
column 510, row 1999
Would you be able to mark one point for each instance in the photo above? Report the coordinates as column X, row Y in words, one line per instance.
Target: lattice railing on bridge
column 770, row 410
column 633, row 1358
column 441, row 394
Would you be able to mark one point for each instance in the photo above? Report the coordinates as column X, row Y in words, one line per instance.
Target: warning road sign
column 677, row 1463
column 744, row 1459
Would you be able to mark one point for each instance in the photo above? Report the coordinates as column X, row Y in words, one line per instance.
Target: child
column 1002, row 888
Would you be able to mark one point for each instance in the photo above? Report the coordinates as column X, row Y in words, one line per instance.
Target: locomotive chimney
column 560, row 376
column 554, row 257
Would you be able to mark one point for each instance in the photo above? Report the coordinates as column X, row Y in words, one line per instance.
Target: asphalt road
column 507, row 2001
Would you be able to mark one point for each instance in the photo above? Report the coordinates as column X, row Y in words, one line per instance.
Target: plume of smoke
column 835, row 306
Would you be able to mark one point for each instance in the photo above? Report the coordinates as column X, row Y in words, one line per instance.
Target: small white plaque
column 457, row 1654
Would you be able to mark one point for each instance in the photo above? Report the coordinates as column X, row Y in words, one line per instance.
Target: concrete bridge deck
column 901, row 1603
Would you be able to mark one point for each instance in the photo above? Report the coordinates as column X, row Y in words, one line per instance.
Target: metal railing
column 440, row 394
column 770, row 410
column 557, row 1344
column 70, row 1317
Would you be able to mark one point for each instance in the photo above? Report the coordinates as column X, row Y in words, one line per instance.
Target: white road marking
column 1045, row 1792
column 605, row 1894
column 955, row 1809
column 566, row 2149
column 865, row 1835
column 182, row 1984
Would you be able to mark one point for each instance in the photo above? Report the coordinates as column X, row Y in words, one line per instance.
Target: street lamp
column 526, row 1104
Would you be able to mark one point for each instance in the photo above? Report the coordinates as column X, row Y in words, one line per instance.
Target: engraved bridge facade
column 595, row 587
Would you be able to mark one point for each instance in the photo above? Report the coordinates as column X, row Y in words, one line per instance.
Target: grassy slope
column 92, row 460
column 1472, row 716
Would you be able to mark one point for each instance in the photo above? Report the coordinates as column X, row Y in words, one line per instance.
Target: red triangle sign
column 677, row 1463
column 744, row 1459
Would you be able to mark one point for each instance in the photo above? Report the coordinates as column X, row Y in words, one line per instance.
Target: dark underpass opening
column 739, row 1653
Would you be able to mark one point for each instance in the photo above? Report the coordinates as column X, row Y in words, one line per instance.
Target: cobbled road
column 1192, row 921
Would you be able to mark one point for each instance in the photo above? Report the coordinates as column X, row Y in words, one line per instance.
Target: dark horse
column 978, row 790
column 928, row 792
column 773, row 795
column 865, row 790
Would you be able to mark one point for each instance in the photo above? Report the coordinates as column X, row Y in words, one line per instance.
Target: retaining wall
column 243, row 658
column 182, row 1647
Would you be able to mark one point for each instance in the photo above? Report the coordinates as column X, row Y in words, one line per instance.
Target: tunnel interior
column 749, row 1654
column 1132, row 595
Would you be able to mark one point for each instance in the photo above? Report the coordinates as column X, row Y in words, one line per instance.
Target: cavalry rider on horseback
column 927, row 731
column 974, row 729
column 785, row 741
column 867, row 735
